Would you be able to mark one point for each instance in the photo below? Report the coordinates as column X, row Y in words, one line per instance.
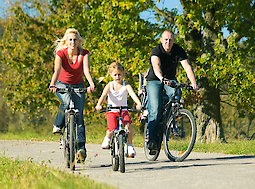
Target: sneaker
column 130, row 150
column 144, row 115
column 57, row 130
column 82, row 154
column 106, row 143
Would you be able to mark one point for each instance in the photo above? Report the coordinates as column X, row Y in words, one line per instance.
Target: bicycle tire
column 121, row 153
column 146, row 150
column 66, row 148
column 177, row 146
column 114, row 156
column 71, row 142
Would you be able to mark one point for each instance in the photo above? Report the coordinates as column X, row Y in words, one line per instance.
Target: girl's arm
column 103, row 97
column 86, row 70
column 134, row 97
column 57, row 69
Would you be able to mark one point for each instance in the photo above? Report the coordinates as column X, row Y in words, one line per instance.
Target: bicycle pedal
column 130, row 156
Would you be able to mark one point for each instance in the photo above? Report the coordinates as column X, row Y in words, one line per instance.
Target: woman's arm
column 86, row 69
column 57, row 69
column 134, row 97
column 103, row 97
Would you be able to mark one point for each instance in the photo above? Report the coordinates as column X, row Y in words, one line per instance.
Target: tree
column 113, row 31
column 222, row 65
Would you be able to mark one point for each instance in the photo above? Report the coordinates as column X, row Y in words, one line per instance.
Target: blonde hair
column 116, row 66
column 61, row 43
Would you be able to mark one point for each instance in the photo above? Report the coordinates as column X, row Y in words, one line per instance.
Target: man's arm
column 155, row 61
column 190, row 73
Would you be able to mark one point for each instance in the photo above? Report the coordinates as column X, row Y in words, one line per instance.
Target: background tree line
column 114, row 31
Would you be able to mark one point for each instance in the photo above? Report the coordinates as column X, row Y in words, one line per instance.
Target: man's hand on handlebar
column 168, row 82
column 195, row 87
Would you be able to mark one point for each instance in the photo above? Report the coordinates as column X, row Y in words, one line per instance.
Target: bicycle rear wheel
column 121, row 153
column 179, row 139
column 72, row 142
column 145, row 141
column 114, row 156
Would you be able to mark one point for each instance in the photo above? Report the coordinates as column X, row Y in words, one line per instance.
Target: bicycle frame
column 71, row 114
column 172, row 112
column 119, row 138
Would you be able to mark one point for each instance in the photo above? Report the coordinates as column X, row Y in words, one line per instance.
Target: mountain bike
column 118, row 140
column 177, row 127
column 69, row 136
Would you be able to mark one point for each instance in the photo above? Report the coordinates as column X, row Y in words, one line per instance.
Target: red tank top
column 71, row 73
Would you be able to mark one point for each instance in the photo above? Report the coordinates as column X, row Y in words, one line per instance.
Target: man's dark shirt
column 168, row 61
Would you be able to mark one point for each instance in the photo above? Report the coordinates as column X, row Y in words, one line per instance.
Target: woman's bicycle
column 119, row 139
column 177, row 126
column 69, row 136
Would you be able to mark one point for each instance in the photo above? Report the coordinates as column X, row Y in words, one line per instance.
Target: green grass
column 238, row 147
column 29, row 135
column 26, row 174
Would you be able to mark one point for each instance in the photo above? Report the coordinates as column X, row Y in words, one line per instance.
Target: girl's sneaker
column 130, row 151
column 106, row 143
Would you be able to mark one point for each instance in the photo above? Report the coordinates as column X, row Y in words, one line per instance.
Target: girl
column 117, row 91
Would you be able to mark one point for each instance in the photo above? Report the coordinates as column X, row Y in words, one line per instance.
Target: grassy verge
column 26, row 174
column 238, row 147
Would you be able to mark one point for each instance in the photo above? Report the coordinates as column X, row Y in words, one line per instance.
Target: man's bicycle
column 69, row 136
column 119, row 139
column 177, row 126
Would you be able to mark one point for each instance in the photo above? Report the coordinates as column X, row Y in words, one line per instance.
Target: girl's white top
column 117, row 98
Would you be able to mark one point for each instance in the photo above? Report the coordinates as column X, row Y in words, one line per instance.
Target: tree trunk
column 208, row 116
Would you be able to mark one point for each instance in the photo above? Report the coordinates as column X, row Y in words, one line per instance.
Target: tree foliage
column 223, row 65
column 112, row 29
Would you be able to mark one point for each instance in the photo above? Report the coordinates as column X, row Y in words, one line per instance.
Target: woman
column 71, row 62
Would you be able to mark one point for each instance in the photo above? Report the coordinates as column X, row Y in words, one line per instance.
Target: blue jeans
column 79, row 101
column 155, row 100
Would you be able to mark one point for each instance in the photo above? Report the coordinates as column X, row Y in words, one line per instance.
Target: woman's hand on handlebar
column 53, row 88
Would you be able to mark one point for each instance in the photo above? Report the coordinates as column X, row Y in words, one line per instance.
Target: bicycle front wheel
column 121, row 153
column 72, row 142
column 114, row 155
column 180, row 135
column 145, row 141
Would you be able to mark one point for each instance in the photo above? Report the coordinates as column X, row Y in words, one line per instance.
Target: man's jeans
column 79, row 101
column 155, row 99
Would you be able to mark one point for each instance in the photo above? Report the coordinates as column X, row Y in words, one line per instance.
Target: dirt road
column 199, row 170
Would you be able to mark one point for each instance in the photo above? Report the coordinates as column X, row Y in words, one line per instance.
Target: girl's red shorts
column 112, row 122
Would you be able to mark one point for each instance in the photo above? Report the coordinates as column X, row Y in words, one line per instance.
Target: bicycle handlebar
column 108, row 108
column 174, row 84
column 71, row 89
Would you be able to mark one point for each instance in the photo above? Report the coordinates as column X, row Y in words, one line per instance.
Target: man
column 164, row 60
